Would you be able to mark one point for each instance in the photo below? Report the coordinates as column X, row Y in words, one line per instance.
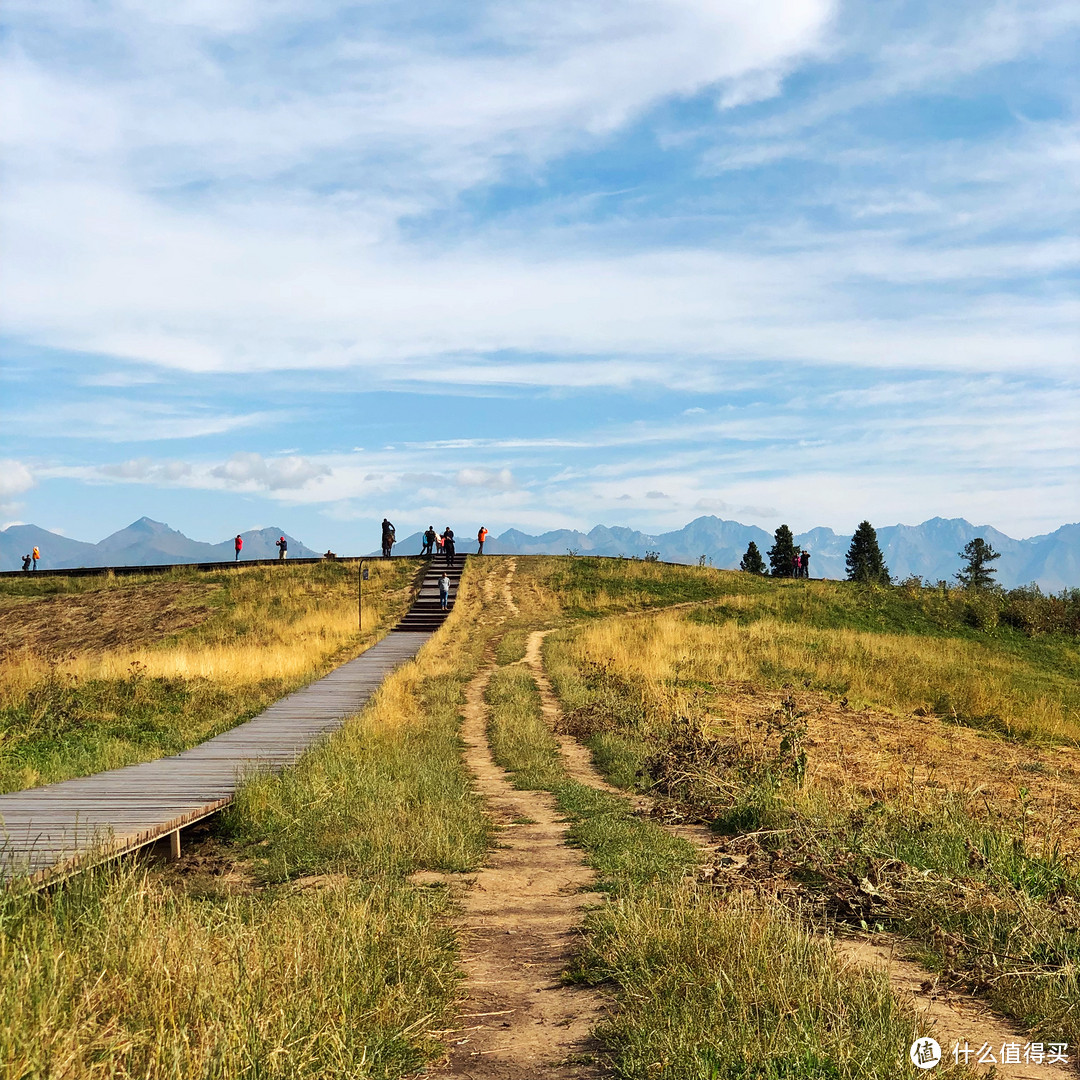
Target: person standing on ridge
column 444, row 592
column 35, row 556
column 481, row 536
column 806, row 564
column 238, row 544
column 429, row 540
column 389, row 537
column 448, row 545
column 26, row 562
column 282, row 546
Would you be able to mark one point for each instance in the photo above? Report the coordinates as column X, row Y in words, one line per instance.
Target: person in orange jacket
column 481, row 536
column 36, row 555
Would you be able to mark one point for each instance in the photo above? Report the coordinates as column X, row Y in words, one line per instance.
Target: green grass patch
column 376, row 799
column 311, row 955
column 587, row 587
column 115, row 977
column 520, row 741
column 707, row 986
column 977, row 901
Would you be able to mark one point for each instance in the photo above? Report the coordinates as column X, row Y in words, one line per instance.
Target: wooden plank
column 49, row 832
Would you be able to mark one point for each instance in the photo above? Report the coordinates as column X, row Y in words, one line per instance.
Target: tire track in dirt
column 951, row 1017
column 522, row 924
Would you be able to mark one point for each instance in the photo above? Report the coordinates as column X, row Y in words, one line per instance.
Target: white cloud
column 147, row 471
column 186, row 193
column 15, row 478
column 248, row 470
column 275, row 278
column 500, row 479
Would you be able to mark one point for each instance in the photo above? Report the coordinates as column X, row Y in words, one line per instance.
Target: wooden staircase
column 425, row 615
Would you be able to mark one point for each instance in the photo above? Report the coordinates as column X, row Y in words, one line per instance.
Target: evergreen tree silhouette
column 782, row 552
column 752, row 562
column 976, row 574
column 864, row 559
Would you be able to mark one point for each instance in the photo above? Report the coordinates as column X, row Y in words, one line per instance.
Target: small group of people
column 282, row 546
column 800, row 564
column 442, row 542
column 32, row 558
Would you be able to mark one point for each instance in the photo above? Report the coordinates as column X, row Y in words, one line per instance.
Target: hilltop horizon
column 928, row 550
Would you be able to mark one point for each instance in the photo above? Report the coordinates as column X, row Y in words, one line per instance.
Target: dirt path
column 522, row 920
column 950, row 1017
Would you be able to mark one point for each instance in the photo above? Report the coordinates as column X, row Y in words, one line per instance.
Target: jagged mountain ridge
column 930, row 550
column 142, row 543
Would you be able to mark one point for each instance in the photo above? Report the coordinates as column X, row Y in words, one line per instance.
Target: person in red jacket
column 481, row 536
column 238, row 543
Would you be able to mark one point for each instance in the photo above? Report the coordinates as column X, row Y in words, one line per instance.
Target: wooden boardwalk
column 49, row 832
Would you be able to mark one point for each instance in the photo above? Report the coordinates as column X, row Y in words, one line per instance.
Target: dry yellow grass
column 104, row 692
column 318, row 626
column 127, row 974
column 890, row 671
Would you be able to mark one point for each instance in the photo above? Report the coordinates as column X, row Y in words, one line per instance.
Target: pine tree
column 976, row 574
column 782, row 553
column 752, row 562
column 864, row 559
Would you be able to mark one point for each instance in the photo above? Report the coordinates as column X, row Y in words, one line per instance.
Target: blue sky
column 538, row 265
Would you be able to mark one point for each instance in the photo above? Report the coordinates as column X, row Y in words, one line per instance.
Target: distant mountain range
column 929, row 550
column 142, row 543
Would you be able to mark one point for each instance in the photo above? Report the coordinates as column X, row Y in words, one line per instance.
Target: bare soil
column 950, row 1017
column 884, row 755
column 522, row 916
column 522, row 919
column 56, row 626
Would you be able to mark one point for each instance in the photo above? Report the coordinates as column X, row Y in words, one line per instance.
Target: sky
column 531, row 264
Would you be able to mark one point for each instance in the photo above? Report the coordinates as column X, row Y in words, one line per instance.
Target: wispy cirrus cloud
column 119, row 420
column 547, row 260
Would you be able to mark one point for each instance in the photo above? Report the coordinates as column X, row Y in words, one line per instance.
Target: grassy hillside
column 919, row 777
column 898, row 648
column 97, row 673
column 873, row 760
column 292, row 945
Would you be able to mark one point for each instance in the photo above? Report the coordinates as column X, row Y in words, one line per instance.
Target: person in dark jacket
column 448, row 545
column 389, row 537
column 429, row 540
column 26, row 562
column 282, row 546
